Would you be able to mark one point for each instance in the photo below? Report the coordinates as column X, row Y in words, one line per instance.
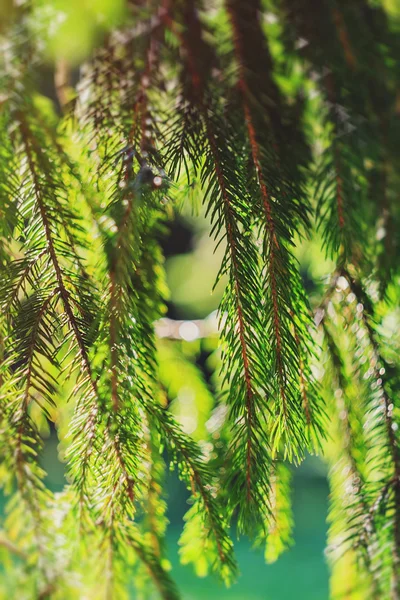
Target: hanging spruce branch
column 282, row 212
column 283, row 122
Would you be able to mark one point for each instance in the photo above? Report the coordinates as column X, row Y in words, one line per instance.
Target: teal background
column 301, row 573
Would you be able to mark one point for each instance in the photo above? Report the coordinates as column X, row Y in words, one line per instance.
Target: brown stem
column 198, row 87
column 273, row 240
column 64, row 294
column 344, row 38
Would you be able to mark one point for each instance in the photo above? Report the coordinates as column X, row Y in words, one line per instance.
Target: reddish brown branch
column 273, row 241
column 339, row 188
column 199, row 89
column 303, row 384
column 64, row 294
column 344, row 38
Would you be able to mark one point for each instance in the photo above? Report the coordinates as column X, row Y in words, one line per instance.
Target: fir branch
column 181, row 87
column 280, row 213
column 94, row 397
column 64, row 294
column 340, row 180
column 194, row 472
column 387, row 409
column 359, row 529
column 228, row 211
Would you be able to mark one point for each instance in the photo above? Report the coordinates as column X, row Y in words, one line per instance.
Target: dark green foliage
column 281, row 151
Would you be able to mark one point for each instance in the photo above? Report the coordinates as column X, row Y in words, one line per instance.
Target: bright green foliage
column 283, row 118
